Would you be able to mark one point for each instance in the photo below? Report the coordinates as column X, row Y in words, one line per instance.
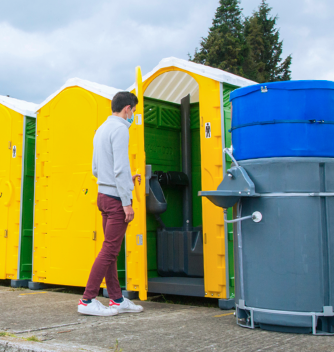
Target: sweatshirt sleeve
column 120, row 149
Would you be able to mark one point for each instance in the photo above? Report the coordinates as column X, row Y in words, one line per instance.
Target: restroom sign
column 207, row 130
column 14, row 151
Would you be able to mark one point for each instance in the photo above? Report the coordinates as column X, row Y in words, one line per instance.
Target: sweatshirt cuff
column 126, row 201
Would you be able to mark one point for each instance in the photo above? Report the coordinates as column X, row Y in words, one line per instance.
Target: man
column 111, row 167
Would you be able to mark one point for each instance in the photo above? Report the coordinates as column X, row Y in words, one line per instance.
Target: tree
column 250, row 48
column 224, row 47
column 264, row 62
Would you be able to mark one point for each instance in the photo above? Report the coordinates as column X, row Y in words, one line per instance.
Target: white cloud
column 104, row 42
column 104, row 48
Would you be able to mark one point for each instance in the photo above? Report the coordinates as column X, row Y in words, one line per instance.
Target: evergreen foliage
column 248, row 47
column 225, row 45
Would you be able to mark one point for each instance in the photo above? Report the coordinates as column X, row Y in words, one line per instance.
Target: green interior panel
column 163, row 151
column 27, row 200
column 196, row 164
column 227, row 120
column 121, row 265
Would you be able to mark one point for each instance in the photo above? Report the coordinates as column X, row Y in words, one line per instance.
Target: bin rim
column 283, row 85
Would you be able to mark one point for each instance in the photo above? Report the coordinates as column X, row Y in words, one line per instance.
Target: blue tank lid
column 284, row 85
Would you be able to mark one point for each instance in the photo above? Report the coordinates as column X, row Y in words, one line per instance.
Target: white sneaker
column 96, row 308
column 126, row 306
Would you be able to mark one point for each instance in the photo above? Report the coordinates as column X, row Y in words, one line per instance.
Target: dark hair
column 122, row 99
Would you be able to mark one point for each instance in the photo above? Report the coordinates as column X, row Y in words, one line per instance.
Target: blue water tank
column 283, row 119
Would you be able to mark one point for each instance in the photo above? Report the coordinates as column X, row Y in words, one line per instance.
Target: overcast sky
column 44, row 43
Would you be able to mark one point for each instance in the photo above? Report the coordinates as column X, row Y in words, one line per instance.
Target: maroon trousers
column 105, row 265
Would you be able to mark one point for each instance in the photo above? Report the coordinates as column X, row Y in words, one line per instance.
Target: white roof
column 99, row 89
column 20, row 106
column 174, row 85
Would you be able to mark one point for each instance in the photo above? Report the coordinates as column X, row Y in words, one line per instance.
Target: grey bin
column 284, row 271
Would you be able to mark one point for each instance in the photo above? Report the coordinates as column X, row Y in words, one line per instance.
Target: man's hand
column 134, row 178
column 129, row 213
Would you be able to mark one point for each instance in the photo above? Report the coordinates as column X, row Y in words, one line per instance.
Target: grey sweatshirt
column 111, row 165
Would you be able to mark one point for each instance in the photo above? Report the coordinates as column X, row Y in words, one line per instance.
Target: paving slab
column 53, row 319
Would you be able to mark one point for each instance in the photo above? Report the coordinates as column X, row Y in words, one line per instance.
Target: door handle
column 94, row 235
column 6, row 234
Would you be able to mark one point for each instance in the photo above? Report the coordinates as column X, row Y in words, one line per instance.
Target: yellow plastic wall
column 11, row 134
column 136, row 248
column 68, row 226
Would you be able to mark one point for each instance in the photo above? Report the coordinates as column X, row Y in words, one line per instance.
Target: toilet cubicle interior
column 174, row 253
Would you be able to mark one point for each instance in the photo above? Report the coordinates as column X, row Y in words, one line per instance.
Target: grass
column 17, row 289
column 116, row 348
column 6, row 334
column 33, row 338
column 30, row 338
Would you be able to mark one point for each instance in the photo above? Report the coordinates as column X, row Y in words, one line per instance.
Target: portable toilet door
column 163, row 254
column 17, row 155
column 68, row 225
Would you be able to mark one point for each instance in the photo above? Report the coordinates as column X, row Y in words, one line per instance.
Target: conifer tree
column 264, row 62
column 250, row 48
column 224, row 47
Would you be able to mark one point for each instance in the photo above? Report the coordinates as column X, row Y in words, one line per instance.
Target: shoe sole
column 129, row 311
column 97, row 315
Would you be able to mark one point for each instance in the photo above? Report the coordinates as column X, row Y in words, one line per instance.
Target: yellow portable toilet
column 17, row 157
column 68, row 230
column 177, row 243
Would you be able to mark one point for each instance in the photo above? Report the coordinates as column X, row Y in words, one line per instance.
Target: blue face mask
column 130, row 120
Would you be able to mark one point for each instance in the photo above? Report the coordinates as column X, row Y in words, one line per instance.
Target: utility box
column 17, row 155
column 68, row 231
column 178, row 243
column 281, row 187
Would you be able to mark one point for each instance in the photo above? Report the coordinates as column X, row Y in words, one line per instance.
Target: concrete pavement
column 52, row 318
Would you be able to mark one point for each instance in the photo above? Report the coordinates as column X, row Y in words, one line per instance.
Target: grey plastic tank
column 283, row 241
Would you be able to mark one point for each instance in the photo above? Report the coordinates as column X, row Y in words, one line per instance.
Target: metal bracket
column 328, row 311
column 256, row 217
column 138, row 119
column 148, row 175
column 264, row 89
column 139, row 240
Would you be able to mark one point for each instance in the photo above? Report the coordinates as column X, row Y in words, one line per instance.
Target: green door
column 27, row 212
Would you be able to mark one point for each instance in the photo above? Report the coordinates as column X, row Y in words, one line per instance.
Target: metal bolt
column 206, row 293
column 211, row 294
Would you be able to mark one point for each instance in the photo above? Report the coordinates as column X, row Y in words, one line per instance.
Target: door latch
column 6, row 234
column 94, row 235
column 139, row 240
